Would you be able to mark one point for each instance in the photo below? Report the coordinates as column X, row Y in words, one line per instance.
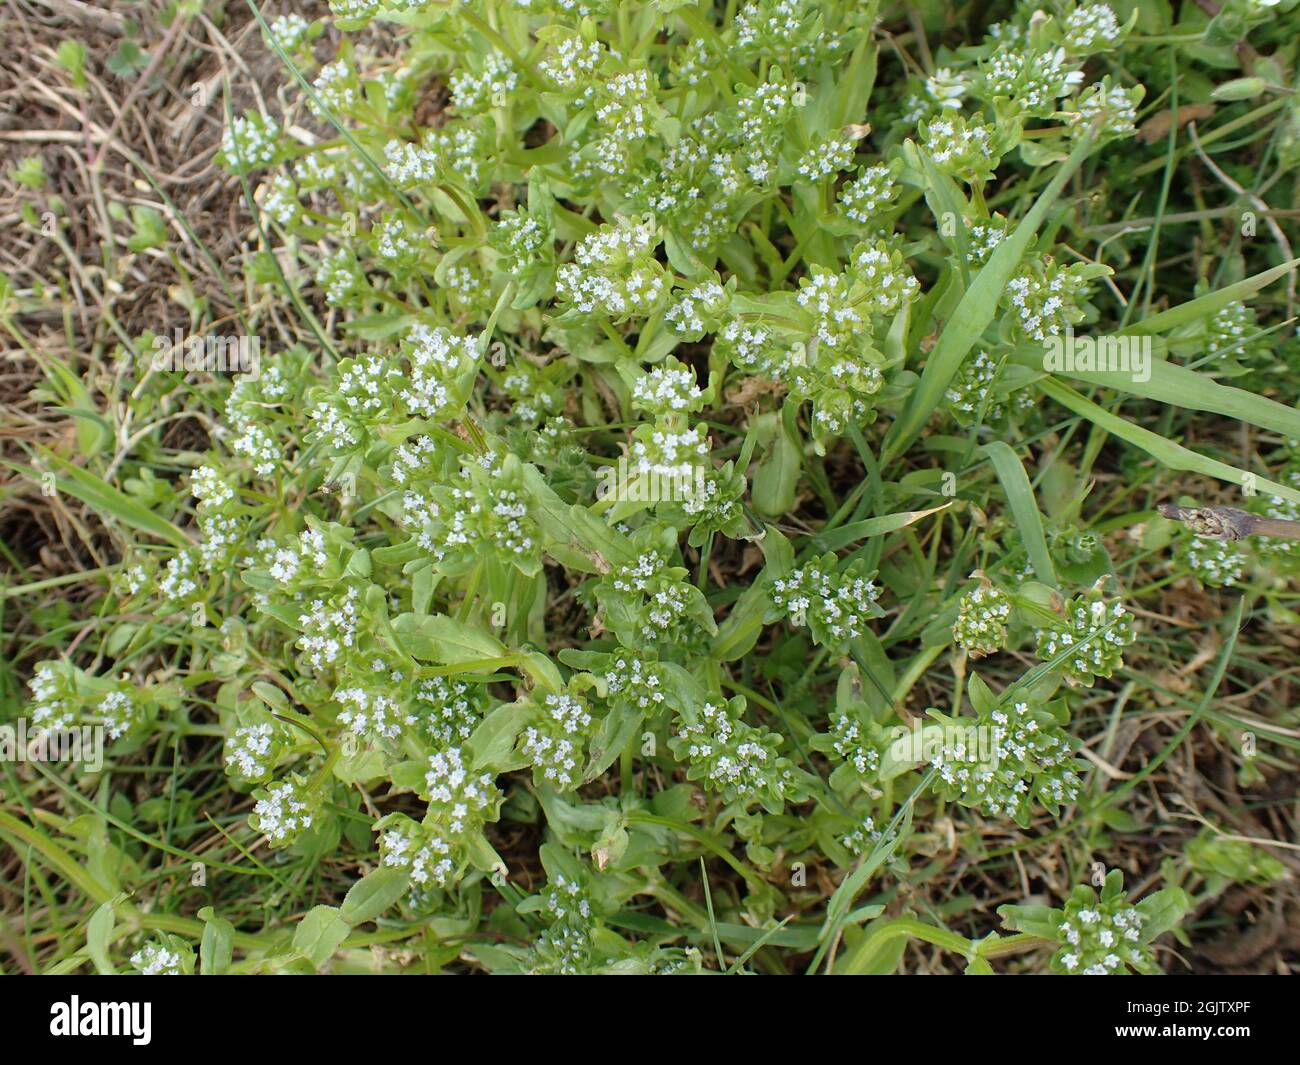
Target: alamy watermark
column 77, row 1018
column 214, row 354
column 84, row 744
column 621, row 482
column 965, row 743
column 1068, row 353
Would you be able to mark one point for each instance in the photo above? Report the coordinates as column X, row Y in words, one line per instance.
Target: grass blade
column 1172, row 455
column 974, row 313
column 1020, row 497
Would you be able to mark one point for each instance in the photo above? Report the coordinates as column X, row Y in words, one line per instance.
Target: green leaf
column 777, row 475
column 974, row 313
column 1181, row 387
column 444, row 639
column 1041, row 921
column 1211, row 303
column 877, row 953
column 864, row 530
column 320, row 933
column 1024, row 508
column 1163, row 911
column 216, row 946
column 373, row 894
column 1164, row 451
column 108, row 502
column 99, row 935
column 150, row 229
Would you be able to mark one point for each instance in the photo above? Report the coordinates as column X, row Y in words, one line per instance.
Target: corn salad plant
column 691, row 509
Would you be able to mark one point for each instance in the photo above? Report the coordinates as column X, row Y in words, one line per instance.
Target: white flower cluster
column 132, row 581
column 981, row 626
column 521, row 239
column 825, row 158
column 883, row 273
column 1115, row 105
column 252, row 751
column 970, row 391
column 715, row 502
column 696, row 309
column 410, row 165
column 54, row 698
column 747, row 347
column 564, row 900
column 371, row 714
column 207, row 486
column 329, row 629
column 396, row 240
column 339, row 276
column 249, row 143
column 835, row 606
column 534, row 398
column 983, row 239
column 283, row 812
column 849, row 744
column 664, row 600
column 1089, row 28
column 693, row 63
column 572, row 61
column 490, row 87
column 788, row 33
column 1021, row 761
column 289, row 31
column 359, row 396
column 614, row 272
column 1101, row 940
column 335, row 87
column 1228, row 327
column 670, row 453
column 1285, row 510
column 668, row 388
column 457, row 795
column 448, row 709
column 419, row 850
column 1216, row 563
column 222, row 532
column 555, row 743
column 960, row 148
column 1083, row 618
column 564, row 948
column 244, row 411
column 285, row 562
column 118, row 713
column 635, row 681
column 733, row 757
column 438, row 357
column 1031, row 81
column 179, row 577
column 696, row 188
column 155, row 959
column 624, row 110
column 760, row 121
column 868, row 194
column 279, row 200
column 864, row 835
column 482, row 512
column 1045, row 298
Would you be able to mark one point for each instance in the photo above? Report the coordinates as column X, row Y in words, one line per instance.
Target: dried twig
column 1228, row 523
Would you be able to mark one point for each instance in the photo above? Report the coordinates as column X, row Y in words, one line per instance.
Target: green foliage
column 667, row 423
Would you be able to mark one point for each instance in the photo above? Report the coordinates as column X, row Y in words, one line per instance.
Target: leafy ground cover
column 574, row 486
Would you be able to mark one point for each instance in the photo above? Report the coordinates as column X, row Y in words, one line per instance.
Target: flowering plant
column 653, row 518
